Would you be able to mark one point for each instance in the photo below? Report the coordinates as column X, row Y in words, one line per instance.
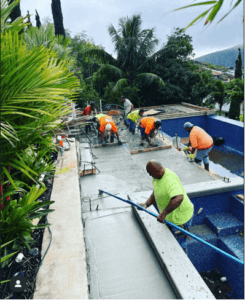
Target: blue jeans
column 126, row 121
column 187, row 227
column 132, row 125
column 142, row 131
column 203, row 155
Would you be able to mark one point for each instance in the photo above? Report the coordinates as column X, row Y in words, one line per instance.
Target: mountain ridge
column 226, row 57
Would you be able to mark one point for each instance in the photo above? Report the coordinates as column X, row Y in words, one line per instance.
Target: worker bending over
column 107, row 126
column 86, row 112
column 148, row 128
column 133, row 119
column 171, row 199
column 201, row 141
column 96, row 119
column 128, row 107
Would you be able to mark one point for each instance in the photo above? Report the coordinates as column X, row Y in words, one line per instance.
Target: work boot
column 206, row 166
column 133, row 131
column 141, row 143
column 130, row 129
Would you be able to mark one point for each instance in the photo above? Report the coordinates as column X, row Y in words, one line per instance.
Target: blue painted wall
column 173, row 126
column 232, row 131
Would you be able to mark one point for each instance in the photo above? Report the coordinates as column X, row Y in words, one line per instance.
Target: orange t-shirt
column 107, row 120
column 200, row 139
column 86, row 111
column 148, row 124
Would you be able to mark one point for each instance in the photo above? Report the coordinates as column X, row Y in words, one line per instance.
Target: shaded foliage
column 235, row 91
column 16, row 13
column 218, row 93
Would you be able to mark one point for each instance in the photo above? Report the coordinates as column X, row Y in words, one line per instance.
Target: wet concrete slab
column 188, row 173
column 120, row 260
column 121, row 263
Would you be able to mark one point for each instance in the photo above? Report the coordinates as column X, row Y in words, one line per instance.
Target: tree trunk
column 58, row 17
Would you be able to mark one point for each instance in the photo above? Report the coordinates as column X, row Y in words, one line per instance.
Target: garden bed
column 30, row 264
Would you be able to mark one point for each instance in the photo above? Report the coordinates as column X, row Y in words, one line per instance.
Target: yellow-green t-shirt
column 100, row 115
column 134, row 116
column 165, row 189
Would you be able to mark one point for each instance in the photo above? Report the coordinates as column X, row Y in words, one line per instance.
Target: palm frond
column 102, row 56
column 120, row 85
column 109, row 72
column 149, row 78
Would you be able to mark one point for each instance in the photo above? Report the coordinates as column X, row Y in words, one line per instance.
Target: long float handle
column 181, row 229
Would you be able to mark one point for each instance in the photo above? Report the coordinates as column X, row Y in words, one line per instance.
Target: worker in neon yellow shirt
column 133, row 119
column 172, row 201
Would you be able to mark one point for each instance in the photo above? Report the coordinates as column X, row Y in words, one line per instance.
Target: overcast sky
column 95, row 16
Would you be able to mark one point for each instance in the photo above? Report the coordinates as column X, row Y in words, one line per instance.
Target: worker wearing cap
column 201, row 141
column 107, row 126
column 133, row 119
column 172, row 201
column 148, row 128
column 128, row 107
column 86, row 112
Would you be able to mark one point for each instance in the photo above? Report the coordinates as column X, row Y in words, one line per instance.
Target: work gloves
column 186, row 148
column 191, row 156
column 143, row 205
column 119, row 142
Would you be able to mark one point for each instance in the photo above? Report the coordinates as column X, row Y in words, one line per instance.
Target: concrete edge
column 184, row 277
column 182, row 274
column 63, row 274
column 214, row 187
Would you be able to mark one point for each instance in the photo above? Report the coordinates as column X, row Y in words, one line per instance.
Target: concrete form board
column 183, row 276
column 121, row 264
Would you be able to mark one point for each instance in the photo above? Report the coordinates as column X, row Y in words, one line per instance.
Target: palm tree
column 134, row 48
column 218, row 93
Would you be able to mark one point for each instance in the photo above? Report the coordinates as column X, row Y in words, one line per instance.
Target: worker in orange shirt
column 86, row 112
column 107, row 126
column 201, row 142
column 148, row 128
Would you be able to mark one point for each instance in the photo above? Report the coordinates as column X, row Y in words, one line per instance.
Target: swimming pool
column 228, row 159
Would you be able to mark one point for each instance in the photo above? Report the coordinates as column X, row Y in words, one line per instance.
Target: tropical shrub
column 36, row 83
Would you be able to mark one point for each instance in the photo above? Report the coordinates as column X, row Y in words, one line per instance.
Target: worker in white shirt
column 128, row 107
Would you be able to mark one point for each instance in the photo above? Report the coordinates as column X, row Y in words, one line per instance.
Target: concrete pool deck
column 64, row 273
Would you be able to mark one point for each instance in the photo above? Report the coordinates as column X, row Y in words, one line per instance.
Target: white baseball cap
column 108, row 127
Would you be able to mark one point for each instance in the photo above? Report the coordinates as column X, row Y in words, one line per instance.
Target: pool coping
column 184, row 278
